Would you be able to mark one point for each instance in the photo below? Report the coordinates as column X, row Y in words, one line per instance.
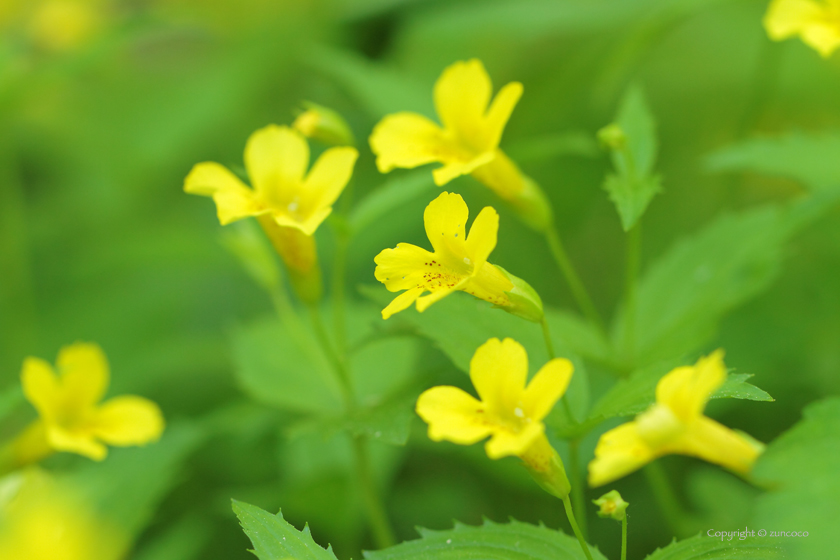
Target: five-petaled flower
column 459, row 262
column 508, row 411
column 817, row 22
column 276, row 158
column 675, row 424
column 71, row 416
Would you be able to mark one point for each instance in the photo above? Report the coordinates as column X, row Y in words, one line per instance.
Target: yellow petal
column 502, row 176
column 500, row 111
column 619, row 452
column 685, row 390
column 445, row 219
column 233, row 199
column 84, row 375
column 276, row 158
column 489, row 284
column 505, row 443
column 461, row 95
column 546, row 388
column 823, row 37
column 401, row 302
column 457, row 167
column 41, row 387
column 498, row 370
column 407, row 140
column 81, row 442
column 404, row 267
column 424, row 302
column 453, row 415
column 715, row 443
column 128, row 420
column 786, row 18
column 307, row 225
column 483, row 236
column 328, row 177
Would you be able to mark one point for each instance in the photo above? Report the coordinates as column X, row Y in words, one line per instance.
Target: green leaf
column 509, row 541
column 635, row 394
column 685, row 293
column 703, row 547
column 397, row 191
column 275, row 539
column 801, row 467
column 634, row 185
column 810, row 159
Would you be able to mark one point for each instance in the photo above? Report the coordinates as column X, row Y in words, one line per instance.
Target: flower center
column 658, row 425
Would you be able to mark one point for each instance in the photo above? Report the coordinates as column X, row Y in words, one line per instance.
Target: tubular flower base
column 817, row 22
column 508, row 411
column 71, row 418
column 458, row 262
column 468, row 141
column 675, row 424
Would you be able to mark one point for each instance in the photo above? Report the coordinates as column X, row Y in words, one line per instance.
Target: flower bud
column 612, row 505
column 613, row 137
column 525, row 302
column 324, row 125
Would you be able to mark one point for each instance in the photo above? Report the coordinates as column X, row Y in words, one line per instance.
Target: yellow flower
column 276, row 158
column 675, row 424
column 459, row 262
column 62, row 25
column 508, row 411
column 71, row 417
column 817, row 22
column 45, row 520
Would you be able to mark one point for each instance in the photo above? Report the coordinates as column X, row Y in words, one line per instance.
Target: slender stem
column 571, row 515
column 631, row 276
column 624, row 538
column 549, row 346
column 575, row 284
column 382, row 533
column 337, row 361
column 665, row 497
column 339, row 273
column 578, row 488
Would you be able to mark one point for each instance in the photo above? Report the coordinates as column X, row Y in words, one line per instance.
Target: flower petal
column 500, row 111
column 823, row 37
column 276, row 158
column 81, row 442
column 453, row 415
column 403, row 267
column 502, row 176
column 461, row 95
column 445, row 219
column 505, row 442
column 424, row 302
column 408, row 140
column 128, row 420
column 619, row 452
column 401, row 302
column 546, row 388
column 233, row 199
column 84, row 375
column 498, row 370
column 685, row 390
column 328, row 177
column 490, row 285
column 786, row 18
column 41, row 387
column 455, row 168
column 483, row 236
column 718, row 444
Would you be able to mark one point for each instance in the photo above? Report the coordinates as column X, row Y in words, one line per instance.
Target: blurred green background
column 103, row 113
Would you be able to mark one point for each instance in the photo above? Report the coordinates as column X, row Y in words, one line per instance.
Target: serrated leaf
column 635, row 394
column 808, row 158
column 397, row 191
column 491, row 541
column 801, row 467
column 275, row 539
column 703, row 547
column 634, row 184
column 684, row 294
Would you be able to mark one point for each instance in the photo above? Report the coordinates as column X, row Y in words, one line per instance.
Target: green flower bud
column 524, row 300
column 612, row 505
column 612, row 136
column 324, row 125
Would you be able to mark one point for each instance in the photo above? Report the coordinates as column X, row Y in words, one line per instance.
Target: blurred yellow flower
column 508, row 411
column 675, row 424
column 43, row 520
column 71, row 416
column 61, row 25
column 276, row 158
column 458, row 262
column 817, row 22
column 469, row 138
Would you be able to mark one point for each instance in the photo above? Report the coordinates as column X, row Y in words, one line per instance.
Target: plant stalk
column 579, row 292
column 567, row 504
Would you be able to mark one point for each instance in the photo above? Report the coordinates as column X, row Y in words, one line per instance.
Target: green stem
column 578, row 488
column 340, row 368
column 571, row 515
column 549, row 346
column 338, row 293
column 575, row 284
column 624, row 538
column 665, row 497
column 631, row 276
column 382, row 533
